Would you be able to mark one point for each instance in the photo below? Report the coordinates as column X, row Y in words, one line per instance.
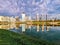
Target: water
column 52, row 33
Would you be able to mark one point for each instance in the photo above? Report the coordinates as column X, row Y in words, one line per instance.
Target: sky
column 30, row 7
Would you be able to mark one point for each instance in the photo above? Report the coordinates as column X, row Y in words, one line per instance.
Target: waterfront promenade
column 48, row 23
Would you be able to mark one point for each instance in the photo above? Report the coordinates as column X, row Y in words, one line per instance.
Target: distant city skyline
column 30, row 7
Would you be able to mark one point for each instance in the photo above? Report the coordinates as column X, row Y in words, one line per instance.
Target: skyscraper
column 37, row 17
column 23, row 17
column 30, row 18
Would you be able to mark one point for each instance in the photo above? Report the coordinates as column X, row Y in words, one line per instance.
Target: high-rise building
column 23, row 16
column 29, row 17
column 37, row 17
column 26, row 18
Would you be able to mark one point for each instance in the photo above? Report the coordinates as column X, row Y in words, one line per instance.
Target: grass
column 11, row 38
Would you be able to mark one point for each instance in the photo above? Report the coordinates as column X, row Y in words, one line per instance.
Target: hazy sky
column 30, row 7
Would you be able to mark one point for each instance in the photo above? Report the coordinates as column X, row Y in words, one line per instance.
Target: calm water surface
column 51, row 33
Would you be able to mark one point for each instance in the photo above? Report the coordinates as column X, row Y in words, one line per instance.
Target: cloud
column 9, row 6
column 30, row 7
column 53, row 6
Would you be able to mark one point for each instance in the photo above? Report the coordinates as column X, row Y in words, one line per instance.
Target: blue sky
column 30, row 7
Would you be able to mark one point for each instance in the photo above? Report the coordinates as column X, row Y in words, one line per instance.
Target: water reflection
column 38, row 28
column 9, row 26
column 25, row 27
column 50, row 33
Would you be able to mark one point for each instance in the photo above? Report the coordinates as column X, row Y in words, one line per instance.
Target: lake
column 50, row 33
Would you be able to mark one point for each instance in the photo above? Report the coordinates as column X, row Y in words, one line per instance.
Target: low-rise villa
column 6, row 19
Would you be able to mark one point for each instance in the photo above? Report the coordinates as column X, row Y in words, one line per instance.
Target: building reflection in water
column 9, row 26
column 48, row 28
column 43, row 27
column 28, row 26
column 23, row 27
column 38, row 28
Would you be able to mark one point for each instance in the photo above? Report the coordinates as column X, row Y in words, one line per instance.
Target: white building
column 23, row 17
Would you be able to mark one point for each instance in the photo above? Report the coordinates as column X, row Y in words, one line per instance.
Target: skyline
column 30, row 7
